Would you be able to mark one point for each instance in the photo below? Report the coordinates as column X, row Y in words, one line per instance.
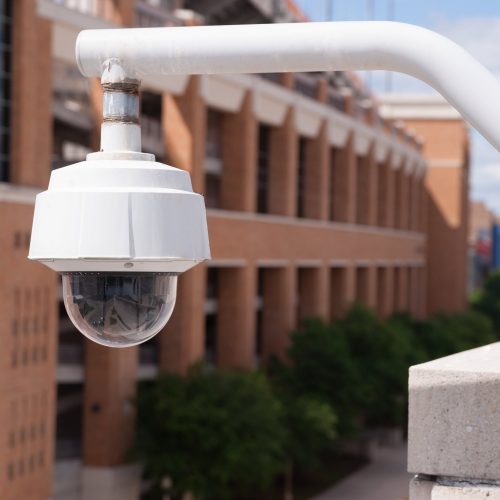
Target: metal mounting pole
column 296, row 47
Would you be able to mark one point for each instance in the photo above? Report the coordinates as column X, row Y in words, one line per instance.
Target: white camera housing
column 120, row 227
column 119, row 212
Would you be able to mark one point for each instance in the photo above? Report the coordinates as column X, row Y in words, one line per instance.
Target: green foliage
column 218, row 434
column 359, row 364
column 446, row 334
column 321, row 367
column 380, row 353
column 488, row 301
column 213, row 434
column 310, row 427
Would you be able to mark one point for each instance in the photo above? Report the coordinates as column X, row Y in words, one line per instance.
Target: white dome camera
column 120, row 228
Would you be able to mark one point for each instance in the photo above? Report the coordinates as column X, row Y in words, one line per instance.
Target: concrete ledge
column 440, row 492
column 422, row 488
column 454, row 416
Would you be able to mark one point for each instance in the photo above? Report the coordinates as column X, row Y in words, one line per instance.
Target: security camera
column 120, row 228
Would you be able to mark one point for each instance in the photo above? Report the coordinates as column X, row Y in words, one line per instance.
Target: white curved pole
column 272, row 48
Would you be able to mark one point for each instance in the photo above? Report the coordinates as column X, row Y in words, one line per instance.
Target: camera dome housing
column 120, row 227
column 119, row 309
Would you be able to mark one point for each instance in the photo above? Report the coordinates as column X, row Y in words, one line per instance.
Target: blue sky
column 474, row 24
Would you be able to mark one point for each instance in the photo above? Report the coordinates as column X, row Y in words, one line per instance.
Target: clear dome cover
column 119, row 309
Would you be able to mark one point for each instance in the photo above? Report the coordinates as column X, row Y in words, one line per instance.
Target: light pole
column 121, row 227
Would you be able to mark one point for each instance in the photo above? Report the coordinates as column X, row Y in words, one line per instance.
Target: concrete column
column 28, row 362
column 278, row 310
column 338, row 292
column 287, row 80
column 313, row 292
column 316, row 196
column 124, row 12
column 110, row 387
column 236, row 318
column 283, row 167
column 345, row 187
column 454, row 426
column 95, row 96
column 182, row 341
column 31, row 111
column 184, row 130
column 239, row 151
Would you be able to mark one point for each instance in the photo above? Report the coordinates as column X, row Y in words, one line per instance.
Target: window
column 263, row 170
column 69, row 422
column 213, row 159
column 211, row 307
column 384, row 171
column 72, row 125
column 5, row 76
column 334, row 183
column 363, row 190
column 338, row 292
column 301, row 178
column 151, row 130
column 362, row 291
column 259, row 323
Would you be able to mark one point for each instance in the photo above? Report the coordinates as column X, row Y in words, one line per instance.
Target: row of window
column 378, row 195
column 5, row 86
column 25, row 466
column 405, row 293
column 373, row 183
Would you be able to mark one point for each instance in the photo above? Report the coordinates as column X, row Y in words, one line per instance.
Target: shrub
column 213, row 434
column 381, row 352
column 321, row 367
column 488, row 301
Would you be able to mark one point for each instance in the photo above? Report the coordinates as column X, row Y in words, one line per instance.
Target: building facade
column 315, row 201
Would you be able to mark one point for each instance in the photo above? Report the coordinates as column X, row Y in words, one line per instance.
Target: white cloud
column 481, row 37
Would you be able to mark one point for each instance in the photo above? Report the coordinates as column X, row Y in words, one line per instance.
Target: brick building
column 314, row 201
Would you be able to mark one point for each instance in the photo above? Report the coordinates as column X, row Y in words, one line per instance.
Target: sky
column 474, row 24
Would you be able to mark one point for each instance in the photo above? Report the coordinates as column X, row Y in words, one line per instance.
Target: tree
column 488, row 301
column 213, row 434
column 321, row 368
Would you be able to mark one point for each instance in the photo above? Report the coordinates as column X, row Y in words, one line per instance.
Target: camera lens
column 119, row 309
